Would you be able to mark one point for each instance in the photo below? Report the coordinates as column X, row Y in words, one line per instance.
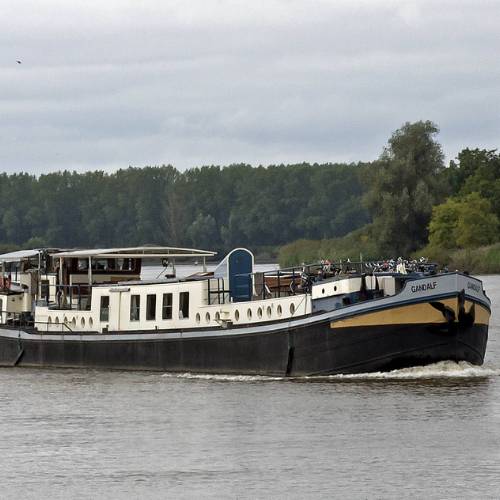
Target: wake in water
column 223, row 378
column 441, row 370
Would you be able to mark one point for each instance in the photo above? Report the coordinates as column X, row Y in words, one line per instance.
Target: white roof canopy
column 19, row 255
column 144, row 252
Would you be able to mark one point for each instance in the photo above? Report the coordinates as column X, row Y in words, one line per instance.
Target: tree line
column 209, row 207
column 405, row 201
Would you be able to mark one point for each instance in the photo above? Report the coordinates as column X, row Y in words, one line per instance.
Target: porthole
column 259, row 312
column 323, row 291
column 335, row 288
column 198, row 318
column 73, row 322
column 249, row 314
column 269, row 311
column 207, row 317
column 57, row 320
column 279, row 311
column 217, row 316
column 236, row 315
column 91, row 322
column 50, row 320
column 65, row 320
column 83, row 322
column 292, row 308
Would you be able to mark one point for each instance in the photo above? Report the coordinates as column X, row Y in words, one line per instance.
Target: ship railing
column 299, row 279
column 25, row 320
column 14, row 318
column 47, row 327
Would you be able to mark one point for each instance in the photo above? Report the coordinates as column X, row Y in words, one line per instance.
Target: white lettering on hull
column 423, row 287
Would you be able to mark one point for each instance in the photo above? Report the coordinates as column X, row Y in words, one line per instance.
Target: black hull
column 315, row 349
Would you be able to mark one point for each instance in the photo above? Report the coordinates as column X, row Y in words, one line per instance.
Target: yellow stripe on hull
column 423, row 313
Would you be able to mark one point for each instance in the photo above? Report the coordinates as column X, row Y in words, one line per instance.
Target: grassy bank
column 351, row 246
column 482, row 260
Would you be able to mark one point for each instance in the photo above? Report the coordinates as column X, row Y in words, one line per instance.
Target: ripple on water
column 440, row 370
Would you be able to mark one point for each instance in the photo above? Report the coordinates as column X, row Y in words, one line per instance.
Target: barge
column 91, row 309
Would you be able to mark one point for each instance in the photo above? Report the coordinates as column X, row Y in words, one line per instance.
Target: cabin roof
column 136, row 252
column 20, row 255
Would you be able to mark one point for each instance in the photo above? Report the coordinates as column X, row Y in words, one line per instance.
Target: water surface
column 430, row 432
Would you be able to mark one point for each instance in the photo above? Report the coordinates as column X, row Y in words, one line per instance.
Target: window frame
column 149, row 317
column 183, row 305
column 167, row 308
column 135, row 308
column 104, row 309
column 45, row 289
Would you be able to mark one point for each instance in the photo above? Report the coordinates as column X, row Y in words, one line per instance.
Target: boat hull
column 385, row 339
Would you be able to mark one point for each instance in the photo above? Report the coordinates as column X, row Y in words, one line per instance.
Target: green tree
column 10, row 223
column 443, row 224
column 483, row 175
column 466, row 222
column 202, row 230
column 477, row 225
column 403, row 186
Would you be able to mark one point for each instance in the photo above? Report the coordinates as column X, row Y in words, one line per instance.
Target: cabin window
column 123, row 264
column 103, row 265
column 83, row 265
column 184, row 305
column 135, row 307
column 45, row 290
column 151, row 307
column 167, row 306
column 99, row 264
column 104, row 316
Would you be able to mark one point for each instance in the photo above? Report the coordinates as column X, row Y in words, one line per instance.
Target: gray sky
column 106, row 84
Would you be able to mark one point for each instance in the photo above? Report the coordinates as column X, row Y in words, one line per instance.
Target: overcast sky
column 106, row 84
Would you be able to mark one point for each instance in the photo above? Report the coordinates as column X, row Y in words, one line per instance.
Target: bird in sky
column 18, row 61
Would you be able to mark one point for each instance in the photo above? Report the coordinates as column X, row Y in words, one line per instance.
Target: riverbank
column 482, row 260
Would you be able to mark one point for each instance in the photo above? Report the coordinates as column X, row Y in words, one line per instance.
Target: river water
column 430, row 432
